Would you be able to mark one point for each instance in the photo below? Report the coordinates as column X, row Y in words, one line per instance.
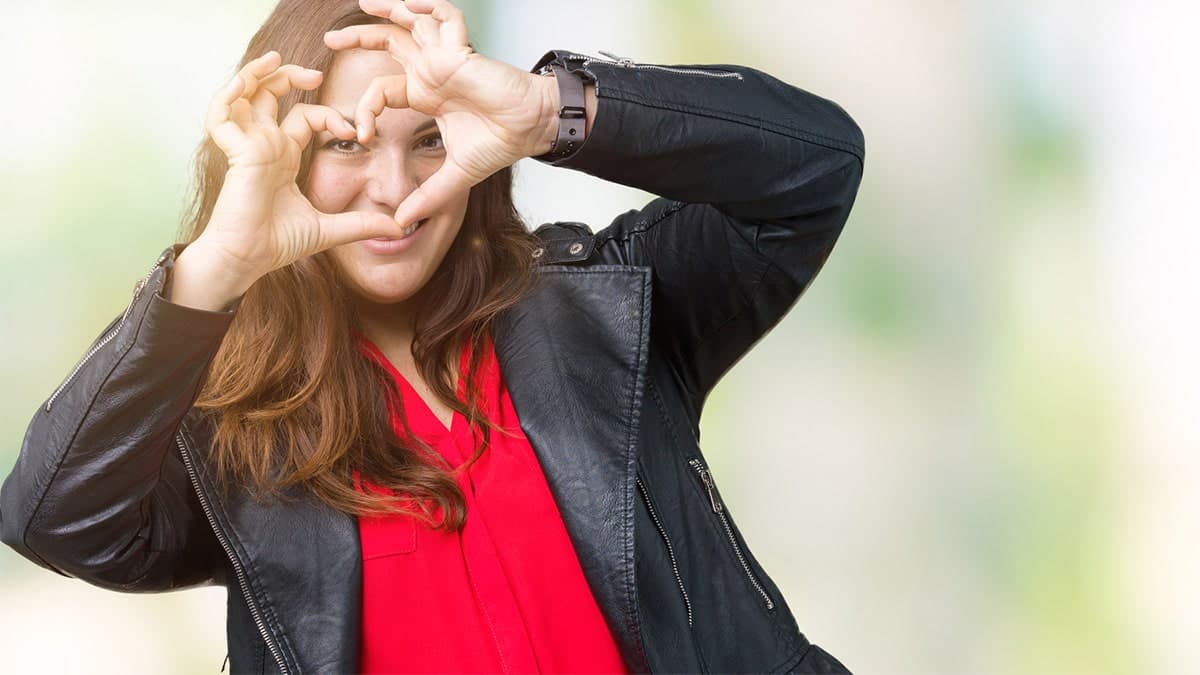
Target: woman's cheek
column 330, row 188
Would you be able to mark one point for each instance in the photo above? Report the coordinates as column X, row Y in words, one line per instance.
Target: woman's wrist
column 201, row 278
column 548, row 99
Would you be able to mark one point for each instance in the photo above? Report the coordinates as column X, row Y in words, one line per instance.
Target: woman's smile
column 394, row 245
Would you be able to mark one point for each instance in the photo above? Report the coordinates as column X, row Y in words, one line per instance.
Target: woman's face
column 347, row 176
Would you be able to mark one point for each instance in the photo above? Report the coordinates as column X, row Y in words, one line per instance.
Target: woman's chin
column 383, row 282
column 385, row 295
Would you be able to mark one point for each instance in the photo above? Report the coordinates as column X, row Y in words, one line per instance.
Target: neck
column 390, row 327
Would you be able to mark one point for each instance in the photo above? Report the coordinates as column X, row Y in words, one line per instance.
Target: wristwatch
column 572, row 115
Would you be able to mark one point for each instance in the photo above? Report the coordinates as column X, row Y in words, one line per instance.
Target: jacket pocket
column 662, row 531
column 718, row 507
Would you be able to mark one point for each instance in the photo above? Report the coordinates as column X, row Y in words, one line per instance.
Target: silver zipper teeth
column 137, row 291
column 719, row 509
column 237, row 566
column 629, row 63
column 670, row 549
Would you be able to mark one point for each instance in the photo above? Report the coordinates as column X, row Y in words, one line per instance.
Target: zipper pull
column 709, row 485
column 141, row 283
column 620, row 60
column 712, row 495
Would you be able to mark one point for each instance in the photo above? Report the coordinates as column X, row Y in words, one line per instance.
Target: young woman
column 406, row 433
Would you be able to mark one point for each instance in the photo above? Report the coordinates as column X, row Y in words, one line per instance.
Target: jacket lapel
column 573, row 355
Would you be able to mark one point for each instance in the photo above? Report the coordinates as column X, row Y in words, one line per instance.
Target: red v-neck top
column 504, row 595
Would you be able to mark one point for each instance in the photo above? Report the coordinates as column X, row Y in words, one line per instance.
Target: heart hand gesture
column 261, row 221
column 490, row 114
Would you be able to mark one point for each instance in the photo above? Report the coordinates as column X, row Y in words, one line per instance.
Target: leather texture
column 608, row 362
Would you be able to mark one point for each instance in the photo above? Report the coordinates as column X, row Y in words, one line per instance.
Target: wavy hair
column 293, row 399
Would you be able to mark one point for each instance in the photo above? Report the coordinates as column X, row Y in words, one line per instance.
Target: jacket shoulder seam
column 639, row 227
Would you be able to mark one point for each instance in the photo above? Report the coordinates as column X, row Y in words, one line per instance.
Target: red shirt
column 506, row 594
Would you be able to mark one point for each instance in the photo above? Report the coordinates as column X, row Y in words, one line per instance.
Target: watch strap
column 572, row 114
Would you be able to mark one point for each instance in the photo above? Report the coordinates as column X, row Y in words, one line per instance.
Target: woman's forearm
column 87, row 494
column 727, row 135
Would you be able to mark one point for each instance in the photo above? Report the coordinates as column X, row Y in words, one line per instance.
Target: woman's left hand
column 490, row 113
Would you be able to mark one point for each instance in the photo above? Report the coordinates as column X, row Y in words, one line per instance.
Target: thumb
column 342, row 228
column 437, row 191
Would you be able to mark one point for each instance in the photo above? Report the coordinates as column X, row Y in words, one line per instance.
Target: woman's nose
column 390, row 178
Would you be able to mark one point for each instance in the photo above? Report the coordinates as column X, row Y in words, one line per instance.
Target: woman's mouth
column 412, row 228
column 393, row 245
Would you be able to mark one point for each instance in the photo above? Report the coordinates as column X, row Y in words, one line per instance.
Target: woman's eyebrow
column 430, row 123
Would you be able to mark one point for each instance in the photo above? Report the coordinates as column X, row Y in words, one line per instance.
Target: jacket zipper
column 137, row 291
column 625, row 62
column 670, row 549
column 719, row 508
column 237, row 565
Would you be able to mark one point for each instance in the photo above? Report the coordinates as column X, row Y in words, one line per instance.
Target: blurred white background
column 972, row 446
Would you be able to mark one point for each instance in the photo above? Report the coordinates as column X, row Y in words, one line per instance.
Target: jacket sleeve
column 99, row 490
column 756, row 179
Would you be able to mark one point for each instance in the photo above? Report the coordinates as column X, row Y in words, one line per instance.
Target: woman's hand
column 490, row 114
column 261, row 221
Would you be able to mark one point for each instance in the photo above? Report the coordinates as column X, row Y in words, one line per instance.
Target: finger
column 230, row 92
column 244, row 81
column 306, row 119
column 395, row 10
column 395, row 40
column 250, row 75
column 223, row 130
column 231, row 113
column 426, row 33
column 279, row 84
column 343, row 228
column 389, row 91
column 242, row 113
column 453, row 28
column 442, row 10
column 254, row 71
column 424, row 27
column 226, row 135
column 437, row 191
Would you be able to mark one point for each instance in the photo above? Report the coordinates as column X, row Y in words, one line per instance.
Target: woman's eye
column 342, row 146
column 431, row 142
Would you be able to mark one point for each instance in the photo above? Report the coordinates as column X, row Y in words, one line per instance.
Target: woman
column 403, row 431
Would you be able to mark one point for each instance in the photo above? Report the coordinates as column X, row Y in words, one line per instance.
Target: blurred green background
column 971, row 448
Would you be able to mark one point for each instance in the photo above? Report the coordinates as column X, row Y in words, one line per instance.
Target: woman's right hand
column 261, row 221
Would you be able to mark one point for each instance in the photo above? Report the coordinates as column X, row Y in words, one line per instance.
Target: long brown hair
column 294, row 400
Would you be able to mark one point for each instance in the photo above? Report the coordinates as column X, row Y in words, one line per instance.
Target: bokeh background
column 972, row 446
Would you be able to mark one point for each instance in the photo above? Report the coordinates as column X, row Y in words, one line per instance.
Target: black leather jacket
column 608, row 363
